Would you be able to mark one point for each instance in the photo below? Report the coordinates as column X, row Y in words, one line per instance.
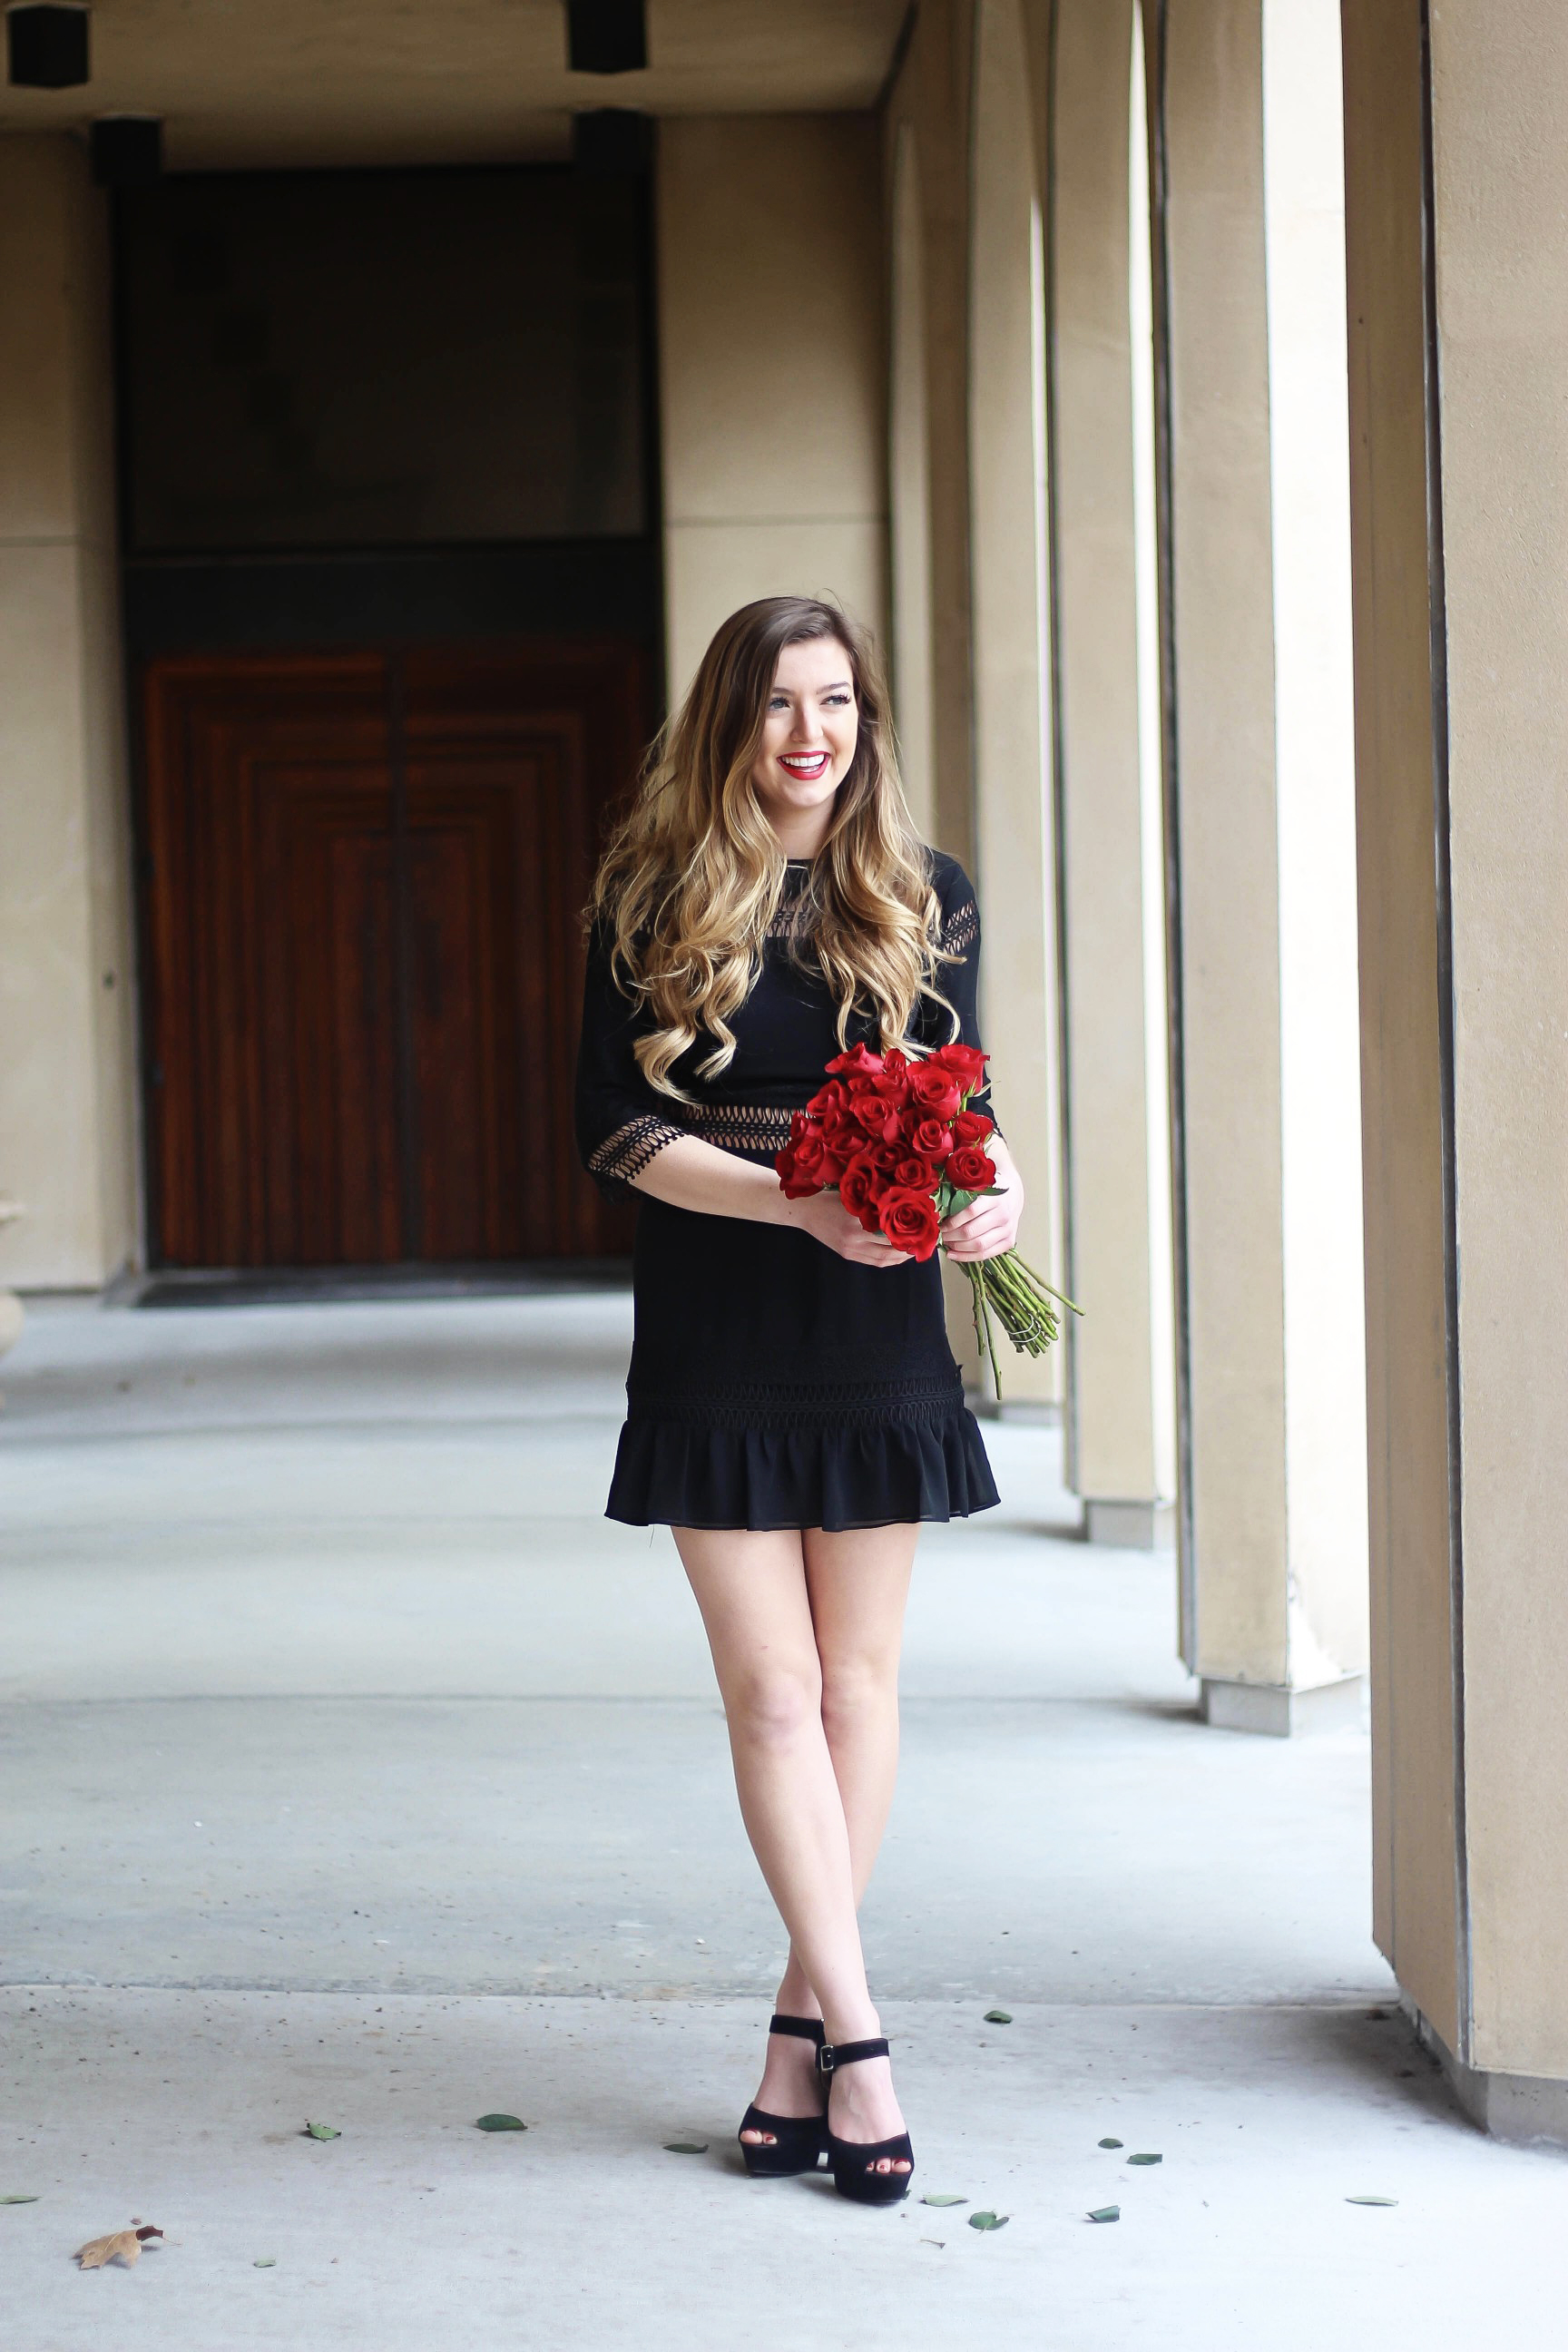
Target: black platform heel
column 853, row 2160
column 800, row 2142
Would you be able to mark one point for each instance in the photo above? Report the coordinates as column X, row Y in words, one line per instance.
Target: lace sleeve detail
column 958, row 980
column 623, row 1155
column 960, row 928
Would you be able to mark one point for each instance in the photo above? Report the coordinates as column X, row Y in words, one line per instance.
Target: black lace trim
column 819, row 1404
column 626, row 1152
column 741, row 1126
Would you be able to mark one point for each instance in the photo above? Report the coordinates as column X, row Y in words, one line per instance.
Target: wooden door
column 365, row 878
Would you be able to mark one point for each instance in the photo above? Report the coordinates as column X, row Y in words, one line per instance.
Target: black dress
column 774, row 1383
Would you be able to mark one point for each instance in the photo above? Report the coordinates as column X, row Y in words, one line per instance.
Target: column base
column 1129, row 1527
column 1527, row 2108
column 1280, row 1713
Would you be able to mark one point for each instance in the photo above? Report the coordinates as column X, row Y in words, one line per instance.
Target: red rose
column 972, row 1127
column 916, row 1175
column 928, row 1137
column 909, row 1220
column 830, row 1097
column 934, row 1090
column 969, row 1171
column 896, row 1065
column 878, row 1118
column 965, row 1064
column 858, row 1062
column 802, row 1168
column 799, row 1125
column 795, row 1186
column 856, row 1185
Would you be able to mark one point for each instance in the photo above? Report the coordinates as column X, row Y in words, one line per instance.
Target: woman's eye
column 778, row 703
column 837, row 701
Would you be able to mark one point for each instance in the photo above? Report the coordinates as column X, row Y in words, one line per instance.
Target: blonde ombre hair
column 694, row 873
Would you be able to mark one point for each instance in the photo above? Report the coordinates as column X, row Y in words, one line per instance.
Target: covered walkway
column 366, row 1775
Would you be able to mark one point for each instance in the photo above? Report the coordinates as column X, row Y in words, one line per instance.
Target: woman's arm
column 692, row 1174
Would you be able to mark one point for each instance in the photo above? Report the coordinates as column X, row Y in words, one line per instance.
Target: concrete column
column 770, row 233
column 908, row 488
column 1014, row 821
column 1116, row 1421
column 1270, row 1348
column 1458, row 255
column 929, row 105
column 68, row 1146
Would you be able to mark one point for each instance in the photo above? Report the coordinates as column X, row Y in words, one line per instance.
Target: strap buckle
column 827, row 2057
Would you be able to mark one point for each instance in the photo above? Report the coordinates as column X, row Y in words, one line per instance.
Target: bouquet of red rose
column 895, row 1137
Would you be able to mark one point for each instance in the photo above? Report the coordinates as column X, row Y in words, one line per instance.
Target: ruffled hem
column 671, row 1474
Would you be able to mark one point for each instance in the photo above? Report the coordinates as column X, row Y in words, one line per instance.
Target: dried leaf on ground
column 1145, row 2159
column 322, row 2131
column 940, row 2197
column 265, row 2263
column 18, row 2200
column 998, row 2017
column 686, row 2147
column 1111, row 2143
column 1106, row 2214
column 500, row 2123
column 121, row 2245
column 989, row 2221
column 1372, row 2200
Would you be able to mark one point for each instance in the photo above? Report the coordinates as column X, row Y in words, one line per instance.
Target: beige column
column 928, row 110
column 1274, row 1543
column 1014, row 813
column 909, row 486
column 1460, row 507
column 1120, row 1395
column 66, row 1051
column 773, row 409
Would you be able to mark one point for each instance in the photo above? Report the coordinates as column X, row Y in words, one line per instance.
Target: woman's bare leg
column 858, row 1587
column 756, row 1603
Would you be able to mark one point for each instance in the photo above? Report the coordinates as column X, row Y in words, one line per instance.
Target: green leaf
column 322, row 2131
column 1106, row 2214
column 1110, row 2143
column 18, row 2200
column 686, row 2147
column 941, row 2198
column 265, row 2263
column 1145, row 2159
column 1372, row 2200
column 998, row 2017
column 989, row 2221
column 500, row 2123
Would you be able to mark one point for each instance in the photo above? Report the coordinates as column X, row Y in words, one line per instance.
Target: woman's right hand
column 825, row 1217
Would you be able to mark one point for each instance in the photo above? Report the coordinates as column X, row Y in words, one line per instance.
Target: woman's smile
column 807, row 765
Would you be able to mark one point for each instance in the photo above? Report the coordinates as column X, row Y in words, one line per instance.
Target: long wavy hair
column 694, row 874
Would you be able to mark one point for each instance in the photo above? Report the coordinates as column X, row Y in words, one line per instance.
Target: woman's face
column 808, row 741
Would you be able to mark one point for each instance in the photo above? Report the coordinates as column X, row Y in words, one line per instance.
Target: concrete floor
column 358, row 1770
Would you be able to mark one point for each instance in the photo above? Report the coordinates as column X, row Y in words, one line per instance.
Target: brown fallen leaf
column 121, row 2245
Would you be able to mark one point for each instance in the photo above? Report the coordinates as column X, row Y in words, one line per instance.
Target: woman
column 794, row 1408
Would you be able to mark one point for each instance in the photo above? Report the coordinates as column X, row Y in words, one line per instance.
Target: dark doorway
column 365, row 952
column 393, row 617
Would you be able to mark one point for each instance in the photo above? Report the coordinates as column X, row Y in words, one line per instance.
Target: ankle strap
column 803, row 2029
column 832, row 2055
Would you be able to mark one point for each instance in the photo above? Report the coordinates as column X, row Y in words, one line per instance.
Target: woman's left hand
column 990, row 1224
